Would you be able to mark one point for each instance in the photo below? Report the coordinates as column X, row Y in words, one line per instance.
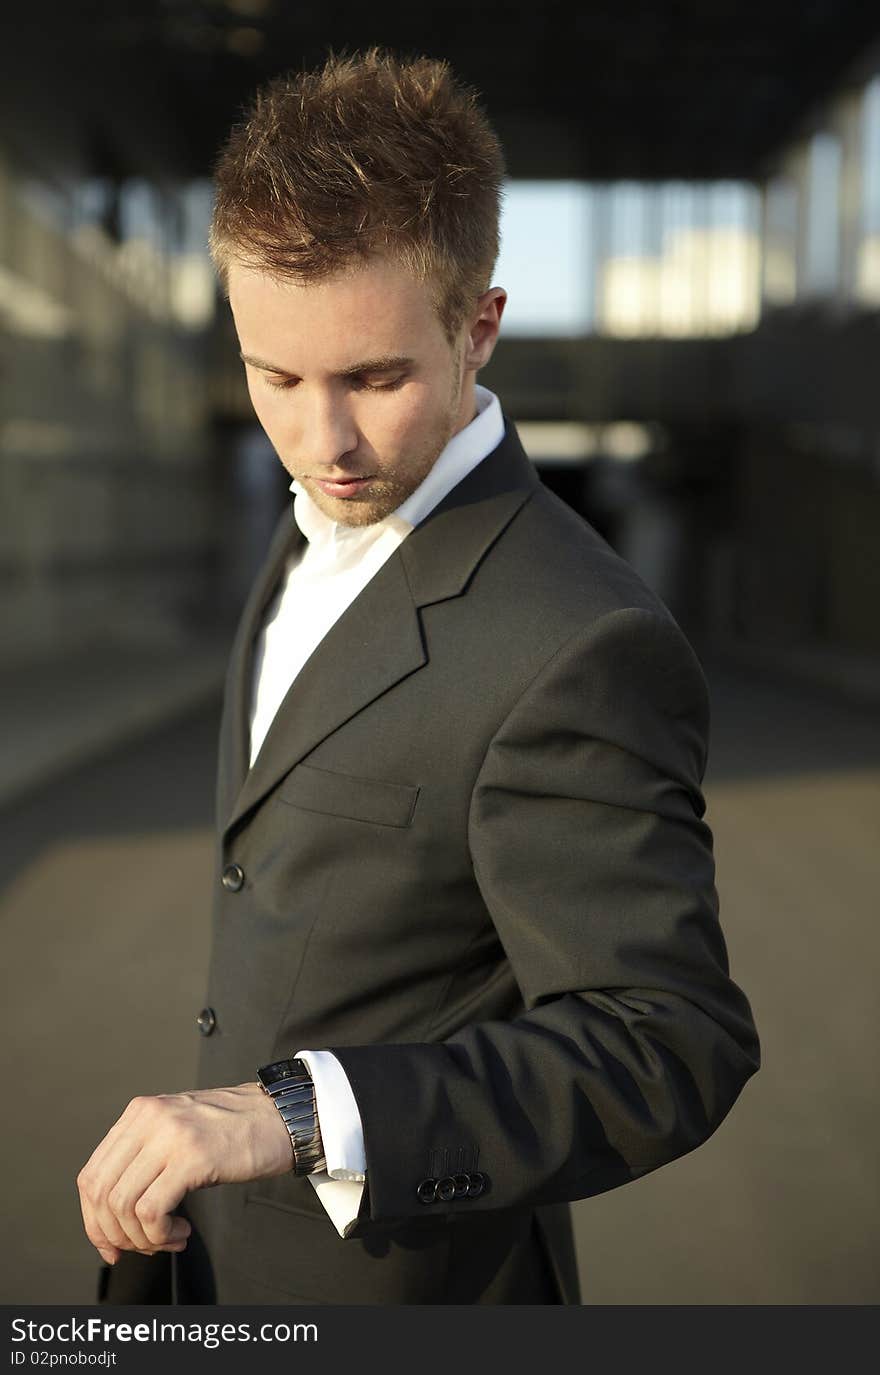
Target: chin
column 350, row 511
column 356, row 511
column 363, row 516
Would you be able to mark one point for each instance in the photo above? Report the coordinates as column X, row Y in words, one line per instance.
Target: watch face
column 270, row 1075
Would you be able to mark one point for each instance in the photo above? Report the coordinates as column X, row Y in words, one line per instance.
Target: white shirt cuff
column 341, row 1185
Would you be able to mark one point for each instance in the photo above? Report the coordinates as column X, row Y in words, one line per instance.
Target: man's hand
column 162, row 1148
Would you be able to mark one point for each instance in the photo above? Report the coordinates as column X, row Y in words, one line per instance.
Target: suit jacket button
column 477, row 1184
column 427, row 1191
column 206, row 1021
column 233, row 878
column 446, row 1189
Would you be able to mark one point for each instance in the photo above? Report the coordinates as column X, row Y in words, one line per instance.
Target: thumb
column 179, row 1230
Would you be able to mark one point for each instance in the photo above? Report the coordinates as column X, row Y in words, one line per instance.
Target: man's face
column 354, row 381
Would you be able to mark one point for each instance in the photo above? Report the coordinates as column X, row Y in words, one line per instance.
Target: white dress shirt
column 319, row 583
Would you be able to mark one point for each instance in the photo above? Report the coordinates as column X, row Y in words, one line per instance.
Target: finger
column 109, row 1254
column 93, row 1229
column 109, row 1142
column 118, row 1208
column 164, row 1228
column 142, row 1203
column 100, row 1173
column 102, row 1200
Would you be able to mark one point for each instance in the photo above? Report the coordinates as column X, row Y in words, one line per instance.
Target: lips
column 344, row 487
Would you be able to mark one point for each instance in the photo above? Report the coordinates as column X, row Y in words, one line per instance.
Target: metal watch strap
column 291, row 1087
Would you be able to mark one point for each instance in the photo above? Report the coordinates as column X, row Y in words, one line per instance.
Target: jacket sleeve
column 596, row 868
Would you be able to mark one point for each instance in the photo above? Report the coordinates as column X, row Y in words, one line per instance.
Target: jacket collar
column 380, row 633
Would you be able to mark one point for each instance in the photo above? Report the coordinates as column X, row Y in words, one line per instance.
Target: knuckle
column 117, row 1202
column 91, row 1192
column 146, row 1210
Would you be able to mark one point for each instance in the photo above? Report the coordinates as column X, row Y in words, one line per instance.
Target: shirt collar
column 464, row 451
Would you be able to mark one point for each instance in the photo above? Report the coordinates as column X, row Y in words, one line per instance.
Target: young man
column 467, row 965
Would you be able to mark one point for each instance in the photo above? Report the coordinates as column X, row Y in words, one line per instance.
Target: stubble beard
column 386, row 493
column 383, row 496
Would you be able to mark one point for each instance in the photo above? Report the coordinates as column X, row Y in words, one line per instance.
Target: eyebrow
column 385, row 364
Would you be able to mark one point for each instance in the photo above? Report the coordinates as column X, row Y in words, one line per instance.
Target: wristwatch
column 290, row 1086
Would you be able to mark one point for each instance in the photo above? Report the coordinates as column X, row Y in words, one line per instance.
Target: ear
column 483, row 328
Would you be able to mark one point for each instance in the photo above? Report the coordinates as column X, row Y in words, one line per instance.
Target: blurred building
column 692, row 251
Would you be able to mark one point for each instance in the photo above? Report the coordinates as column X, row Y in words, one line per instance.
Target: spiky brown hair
column 369, row 154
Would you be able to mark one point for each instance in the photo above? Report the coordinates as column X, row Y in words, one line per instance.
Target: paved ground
column 108, row 871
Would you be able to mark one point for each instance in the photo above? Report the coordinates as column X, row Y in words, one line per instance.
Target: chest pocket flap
column 345, row 795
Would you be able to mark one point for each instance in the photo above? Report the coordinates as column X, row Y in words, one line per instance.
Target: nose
column 330, row 432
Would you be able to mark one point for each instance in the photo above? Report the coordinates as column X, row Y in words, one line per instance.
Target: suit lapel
column 442, row 554
column 378, row 640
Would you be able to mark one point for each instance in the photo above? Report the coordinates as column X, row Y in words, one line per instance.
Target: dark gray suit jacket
column 476, row 869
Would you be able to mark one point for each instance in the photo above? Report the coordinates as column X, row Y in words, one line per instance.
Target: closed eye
column 358, row 383
column 361, row 384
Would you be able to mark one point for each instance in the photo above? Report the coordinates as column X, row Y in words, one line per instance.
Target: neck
column 468, row 405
